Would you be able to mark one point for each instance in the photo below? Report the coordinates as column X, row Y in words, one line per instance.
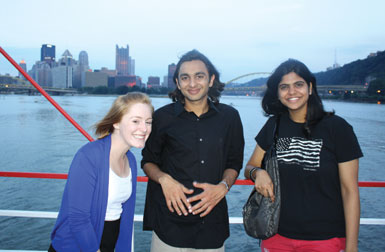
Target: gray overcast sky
column 239, row 37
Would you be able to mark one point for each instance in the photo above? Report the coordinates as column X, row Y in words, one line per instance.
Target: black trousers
column 109, row 237
column 51, row 249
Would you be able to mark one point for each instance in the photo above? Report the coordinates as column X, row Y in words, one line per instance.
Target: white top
column 119, row 191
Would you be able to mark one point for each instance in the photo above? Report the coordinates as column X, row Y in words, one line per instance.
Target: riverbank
column 355, row 98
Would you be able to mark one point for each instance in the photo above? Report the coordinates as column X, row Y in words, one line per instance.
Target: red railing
column 43, row 175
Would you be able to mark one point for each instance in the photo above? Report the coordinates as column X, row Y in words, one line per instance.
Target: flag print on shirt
column 300, row 151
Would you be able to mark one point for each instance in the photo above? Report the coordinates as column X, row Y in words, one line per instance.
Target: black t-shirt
column 312, row 207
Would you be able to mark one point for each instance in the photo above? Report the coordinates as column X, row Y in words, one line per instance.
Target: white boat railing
column 139, row 218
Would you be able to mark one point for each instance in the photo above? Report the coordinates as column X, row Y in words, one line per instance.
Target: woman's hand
column 263, row 184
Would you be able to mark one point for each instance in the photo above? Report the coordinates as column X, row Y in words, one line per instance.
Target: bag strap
column 276, row 131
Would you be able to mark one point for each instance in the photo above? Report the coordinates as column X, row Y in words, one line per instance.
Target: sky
column 239, row 37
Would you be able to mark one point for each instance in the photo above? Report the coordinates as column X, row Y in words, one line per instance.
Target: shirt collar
column 179, row 107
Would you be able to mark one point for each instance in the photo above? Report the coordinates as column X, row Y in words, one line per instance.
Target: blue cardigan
column 79, row 226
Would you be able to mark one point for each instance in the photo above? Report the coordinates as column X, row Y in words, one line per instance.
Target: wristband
column 251, row 173
column 225, row 183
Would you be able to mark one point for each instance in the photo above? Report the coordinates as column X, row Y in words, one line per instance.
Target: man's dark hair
column 214, row 91
column 272, row 105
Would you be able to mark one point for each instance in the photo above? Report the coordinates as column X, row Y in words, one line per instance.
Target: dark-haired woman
column 318, row 156
column 97, row 210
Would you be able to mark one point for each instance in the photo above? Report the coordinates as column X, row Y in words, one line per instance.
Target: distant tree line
column 376, row 89
column 123, row 90
column 355, row 73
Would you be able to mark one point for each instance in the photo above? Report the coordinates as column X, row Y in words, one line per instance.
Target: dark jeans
column 109, row 237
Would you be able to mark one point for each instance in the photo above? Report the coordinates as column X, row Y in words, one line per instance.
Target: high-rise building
column 83, row 59
column 128, row 81
column 110, row 73
column 48, row 54
column 67, row 59
column 62, row 75
column 111, row 81
column 171, row 71
column 165, row 81
column 95, row 79
column 122, row 62
column 139, row 82
column 41, row 73
column 132, row 66
column 153, row 81
column 80, row 69
column 23, row 65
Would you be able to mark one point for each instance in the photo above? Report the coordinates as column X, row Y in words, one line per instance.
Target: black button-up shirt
column 191, row 148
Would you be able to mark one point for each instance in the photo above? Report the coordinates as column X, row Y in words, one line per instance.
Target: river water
column 37, row 138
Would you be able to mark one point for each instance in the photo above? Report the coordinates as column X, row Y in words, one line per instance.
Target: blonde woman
column 98, row 203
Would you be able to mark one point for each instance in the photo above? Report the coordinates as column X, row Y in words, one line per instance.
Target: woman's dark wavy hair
column 272, row 105
column 214, row 91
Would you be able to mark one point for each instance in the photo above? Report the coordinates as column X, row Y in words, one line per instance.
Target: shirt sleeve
column 265, row 136
column 81, row 184
column 237, row 145
column 347, row 146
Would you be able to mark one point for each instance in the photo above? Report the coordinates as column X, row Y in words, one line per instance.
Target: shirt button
column 200, row 139
column 202, row 162
column 197, row 119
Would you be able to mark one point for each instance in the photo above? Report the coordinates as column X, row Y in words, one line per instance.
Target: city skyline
column 239, row 38
column 67, row 72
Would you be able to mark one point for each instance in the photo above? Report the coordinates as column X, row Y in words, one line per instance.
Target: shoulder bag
column 260, row 214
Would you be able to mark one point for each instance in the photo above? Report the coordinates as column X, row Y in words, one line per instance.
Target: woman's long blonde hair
column 120, row 106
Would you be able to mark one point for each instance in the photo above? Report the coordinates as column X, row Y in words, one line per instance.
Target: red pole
column 46, row 95
column 360, row 183
column 44, row 175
